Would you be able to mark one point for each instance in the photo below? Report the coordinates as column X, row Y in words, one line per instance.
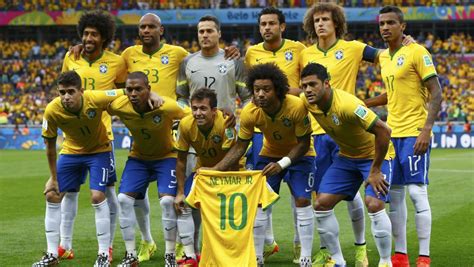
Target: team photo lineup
column 222, row 129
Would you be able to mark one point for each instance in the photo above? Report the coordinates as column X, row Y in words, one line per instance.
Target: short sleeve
column 230, row 136
column 65, row 66
column 183, row 141
column 182, row 88
column 268, row 197
column 121, row 71
column 102, row 98
column 302, row 120
column 240, row 78
column 246, row 123
column 193, row 197
column 423, row 63
column 364, row 116
column 49, row 127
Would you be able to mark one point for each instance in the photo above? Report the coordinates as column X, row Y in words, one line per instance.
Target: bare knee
column 53, row 197
column 97, row 196
column 374, row 205
column 302, row 202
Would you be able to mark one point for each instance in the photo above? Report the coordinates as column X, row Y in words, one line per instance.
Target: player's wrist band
column 285, row 162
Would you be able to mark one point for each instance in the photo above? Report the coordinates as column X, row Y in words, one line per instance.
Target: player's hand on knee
column 51, row 186
column 179, row 203
column 378, row 183
column 231, row 52
column 271, row 169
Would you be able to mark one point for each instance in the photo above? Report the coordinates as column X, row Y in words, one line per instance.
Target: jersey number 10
column 228, row 211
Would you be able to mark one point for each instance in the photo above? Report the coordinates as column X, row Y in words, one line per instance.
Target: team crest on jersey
column 103, row 68
column 289, row 56
column 222, row 68
column 216, row 139
column 165, row 59
column 91, row 113
column 287, row 122
column 400, row 61
column 335, row 119
column 339, row 54
column 157, row 119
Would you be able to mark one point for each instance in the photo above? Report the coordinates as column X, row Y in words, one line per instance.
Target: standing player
column 151, row 158
column 87, row 147
column 99, row 70
column 206, row 132
column 414, row 99
column 208, row 68
column 287, row 148
column 361, row 158
column 285, row 54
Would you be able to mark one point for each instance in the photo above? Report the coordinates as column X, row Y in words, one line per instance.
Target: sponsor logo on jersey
column 111, row 93
column 216, row 139
column 335, row 119
column 361, row 112
column 339, row 55
column 427, row 61
column 91, row 113
column 222, row 68
column 103, row 68
column 165, row 59
column 400, row 61
column 157, row 119
column 289, row 56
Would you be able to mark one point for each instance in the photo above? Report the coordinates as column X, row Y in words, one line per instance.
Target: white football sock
column 113, row 207
column 269, row 238
column 68, row 215
column 356, row 213
column 127, row 222
column 52, row 220
column 197, row 226
column 259, row 230
column 305, row 224
column 398, row 217
column 169, row 221
column 381, row 231
column 296, row 236
column 186, row 231
column 328, row 229
column 419, row 197
column 142, row 213
column 102, row 224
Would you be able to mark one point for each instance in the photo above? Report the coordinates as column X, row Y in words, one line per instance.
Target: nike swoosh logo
column 100, row 234
column 101, row 184
column 413, row 174
column 169, row 229
column 302, row 225
column 171, row 186
column 135, row 61
column 50, row 231
column 124, row 227
column 193, row 71
column 308, row 190
column 258, row 59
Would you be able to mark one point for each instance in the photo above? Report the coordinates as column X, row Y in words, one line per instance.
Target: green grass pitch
column 22, row 205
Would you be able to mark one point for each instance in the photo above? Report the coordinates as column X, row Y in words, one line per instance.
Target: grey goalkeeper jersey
column 225, row 77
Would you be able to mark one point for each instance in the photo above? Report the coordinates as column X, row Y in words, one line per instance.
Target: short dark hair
column 269, row 71
column 394, row 9
column 272, row 10
column 315, row 69
column 211, row 18
column 203, row 93
column 138, row 75
column 337, row 15
column 69, row 78
column 103, row 22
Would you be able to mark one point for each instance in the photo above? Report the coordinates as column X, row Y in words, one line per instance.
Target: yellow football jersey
column 210, row 147
column 347, row 121
column 228, row 203
column 102, row 74
column 403, row 74
column 286, row 58
column 85, row 132
column 342, row 62
column 151, row 131
column 161, row 67
column 280, row 131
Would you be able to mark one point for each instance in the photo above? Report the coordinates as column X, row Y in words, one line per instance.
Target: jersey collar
column 276, row 50
column 394, row 52
column 93, row 61
column 327, row 50
column 154, row 52
column 329, row 103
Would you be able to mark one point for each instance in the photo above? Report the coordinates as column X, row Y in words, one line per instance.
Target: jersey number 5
column 230, row 215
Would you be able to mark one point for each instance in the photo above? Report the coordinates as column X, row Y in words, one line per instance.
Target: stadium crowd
column 58, row 5
column 28, row 77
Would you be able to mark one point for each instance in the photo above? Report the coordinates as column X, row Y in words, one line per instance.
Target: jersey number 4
column 228, row 211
